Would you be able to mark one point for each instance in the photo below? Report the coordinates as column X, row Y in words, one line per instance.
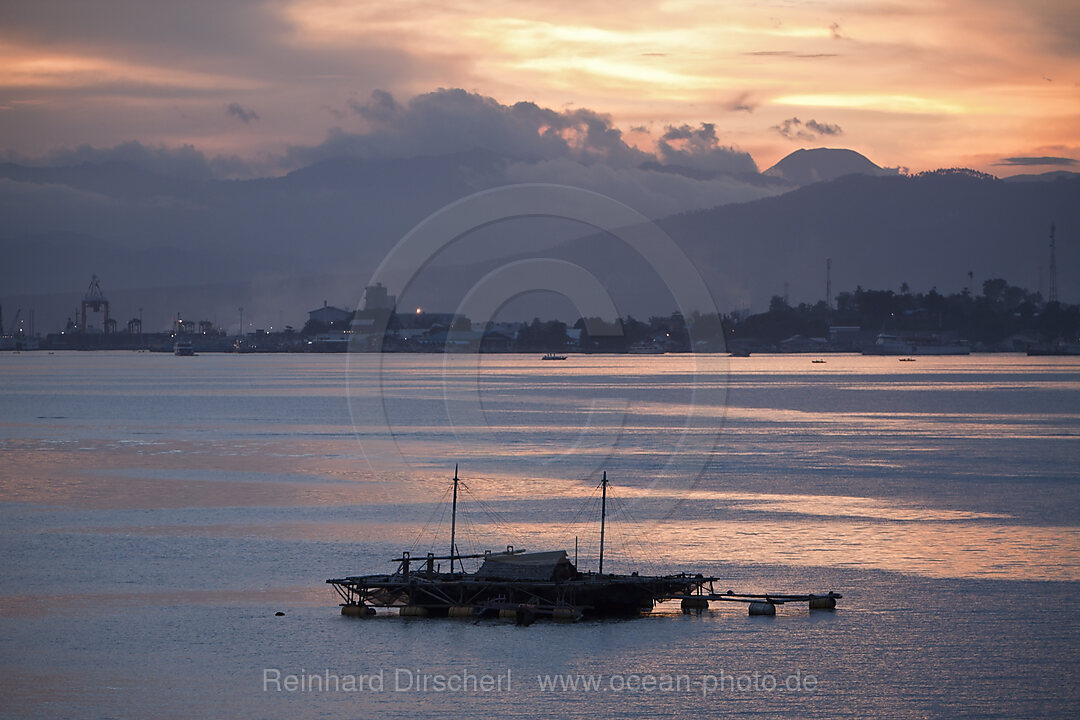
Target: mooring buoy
column 695, row 604
column 359, row 611
column 566, row 614
column 462, row 611
column 762, row 608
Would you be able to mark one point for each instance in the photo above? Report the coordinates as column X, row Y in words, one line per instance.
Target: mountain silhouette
column 803, row 167
column 280, row 246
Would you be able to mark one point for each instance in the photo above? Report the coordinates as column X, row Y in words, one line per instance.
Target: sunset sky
column 993, row 84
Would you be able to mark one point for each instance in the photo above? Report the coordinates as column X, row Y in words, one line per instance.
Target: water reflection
column 949, row 467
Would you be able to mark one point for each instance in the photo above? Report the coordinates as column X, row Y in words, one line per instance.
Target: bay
column 156, row 511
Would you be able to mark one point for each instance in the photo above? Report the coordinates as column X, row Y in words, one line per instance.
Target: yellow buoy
column 566, row 614
column 694, row 604
column 360, row 611
column 413, row 611
column 462, row 611
column 823, row 603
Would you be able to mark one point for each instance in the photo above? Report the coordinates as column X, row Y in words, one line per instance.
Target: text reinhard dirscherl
column 415, row 680
column 382, row 680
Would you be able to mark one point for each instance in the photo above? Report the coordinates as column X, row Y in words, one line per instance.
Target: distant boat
column 907, row 359
column 553, row 356
column 242, row 345
column 1058, row 349
column 183, row 348
column 817, row 362
column 644, row 348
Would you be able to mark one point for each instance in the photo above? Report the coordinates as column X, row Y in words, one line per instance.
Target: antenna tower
column 1053, row 266
column 828, row 283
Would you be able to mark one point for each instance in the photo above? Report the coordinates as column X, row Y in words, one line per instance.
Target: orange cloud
column 916, row 84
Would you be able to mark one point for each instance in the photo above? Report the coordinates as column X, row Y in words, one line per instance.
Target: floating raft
column 526, row 586
column 758, row 604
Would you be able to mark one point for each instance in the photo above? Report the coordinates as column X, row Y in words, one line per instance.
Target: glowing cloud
column 996, row 77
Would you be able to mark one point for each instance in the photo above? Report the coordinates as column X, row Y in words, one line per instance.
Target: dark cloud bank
column 241, row 113
column 691, row 167
column 450, row 121
column 1044, row 160
column 795, row 129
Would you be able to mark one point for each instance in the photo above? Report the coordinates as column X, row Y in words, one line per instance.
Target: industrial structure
column 95, row 300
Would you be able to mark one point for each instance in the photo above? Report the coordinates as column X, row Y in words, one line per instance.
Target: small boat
column 817, row 362
column 183, row 348
column 553, row 356
column 907, row 359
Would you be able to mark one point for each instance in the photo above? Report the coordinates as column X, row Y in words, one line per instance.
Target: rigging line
column 479, row 538
column 497, row 518
column 469, row 526
column 638, row 538
column 630, row 523
column 498, row 525
column 434, row 530
column 617, row 529
column 592, row 540
column 497, row 522
column 474, row 534
column 590, row 501
column 488, row 507
column 464, row 533
column 506, row 535
column 439, row 509
column 624, row 531
column 593, row 494
column 494, row 515
column 571, row 527
column 513, row 530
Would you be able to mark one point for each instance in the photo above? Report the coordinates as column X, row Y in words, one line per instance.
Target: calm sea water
column 155, row 513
